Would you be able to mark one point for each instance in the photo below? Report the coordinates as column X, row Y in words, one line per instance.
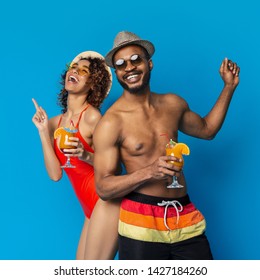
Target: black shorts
column 196, row 248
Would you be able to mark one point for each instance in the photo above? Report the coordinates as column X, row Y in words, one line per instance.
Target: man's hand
column 162, row 168
column 229, row 72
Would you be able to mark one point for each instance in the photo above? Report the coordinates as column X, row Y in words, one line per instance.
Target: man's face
column 132, row 68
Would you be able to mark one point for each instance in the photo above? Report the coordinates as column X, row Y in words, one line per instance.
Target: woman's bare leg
column 82, row 241
column 102, row 235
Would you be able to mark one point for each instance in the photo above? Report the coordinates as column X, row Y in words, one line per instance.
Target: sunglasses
column 82, row 71
column 135, row 60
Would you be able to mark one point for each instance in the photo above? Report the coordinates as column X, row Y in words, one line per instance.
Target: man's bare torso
column 140, row 138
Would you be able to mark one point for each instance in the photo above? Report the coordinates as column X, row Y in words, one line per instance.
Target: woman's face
column 78, row 77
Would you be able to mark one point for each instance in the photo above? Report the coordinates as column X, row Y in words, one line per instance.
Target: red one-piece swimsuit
column 81, row 177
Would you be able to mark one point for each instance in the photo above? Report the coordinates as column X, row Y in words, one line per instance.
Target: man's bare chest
column 143, row 135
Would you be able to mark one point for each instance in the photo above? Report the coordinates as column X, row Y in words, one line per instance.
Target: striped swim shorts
column 156, row 219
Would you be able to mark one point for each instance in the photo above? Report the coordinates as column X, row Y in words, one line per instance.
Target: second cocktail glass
column 176, row 149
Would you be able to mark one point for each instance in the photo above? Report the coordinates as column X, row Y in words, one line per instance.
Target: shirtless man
column 155, row 222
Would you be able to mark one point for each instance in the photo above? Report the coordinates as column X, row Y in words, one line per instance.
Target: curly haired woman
column 86, row 83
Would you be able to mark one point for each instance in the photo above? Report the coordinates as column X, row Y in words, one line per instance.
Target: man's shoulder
column 167, row 97
column 111, row 117
column 109, row 126
column 114, row 110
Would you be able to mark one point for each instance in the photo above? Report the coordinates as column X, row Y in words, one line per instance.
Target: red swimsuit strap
column 59, row 121
column 77, row 125
column 78, row 119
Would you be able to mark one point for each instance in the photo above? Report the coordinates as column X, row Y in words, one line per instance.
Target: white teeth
column 73, row 79
column 131, row 77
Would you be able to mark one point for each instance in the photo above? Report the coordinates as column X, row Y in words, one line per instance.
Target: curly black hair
column 101, row 80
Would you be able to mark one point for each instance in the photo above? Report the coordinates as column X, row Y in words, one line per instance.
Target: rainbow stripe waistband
column 157, row 219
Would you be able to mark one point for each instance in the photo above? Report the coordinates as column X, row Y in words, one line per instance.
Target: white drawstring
column 173, row 203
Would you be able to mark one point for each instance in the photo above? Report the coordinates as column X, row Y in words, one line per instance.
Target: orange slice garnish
column 181, row 148
column 58, row 132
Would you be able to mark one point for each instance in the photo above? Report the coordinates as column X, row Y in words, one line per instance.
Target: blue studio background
column 41, row 219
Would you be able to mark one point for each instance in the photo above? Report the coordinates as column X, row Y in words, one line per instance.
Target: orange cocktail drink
column 63, row 134
column 177, row 150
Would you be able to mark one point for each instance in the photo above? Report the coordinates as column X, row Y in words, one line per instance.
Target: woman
column 86, row 83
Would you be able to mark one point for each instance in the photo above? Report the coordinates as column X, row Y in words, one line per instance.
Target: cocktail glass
column 63, row 134
column 176, row 149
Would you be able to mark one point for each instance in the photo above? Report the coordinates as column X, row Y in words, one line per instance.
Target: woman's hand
column 40, row 118
column 78, row 151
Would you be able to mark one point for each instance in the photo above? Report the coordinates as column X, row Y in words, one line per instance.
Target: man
column 155, row 222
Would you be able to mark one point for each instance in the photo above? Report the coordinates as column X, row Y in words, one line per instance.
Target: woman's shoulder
column 91, row 115
column 55, row 120
column 54, row 123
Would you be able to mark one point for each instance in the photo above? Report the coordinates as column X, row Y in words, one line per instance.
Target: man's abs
column 159, row 188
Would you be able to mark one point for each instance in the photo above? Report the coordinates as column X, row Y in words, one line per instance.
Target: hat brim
column 143, row 43
column 93, row 54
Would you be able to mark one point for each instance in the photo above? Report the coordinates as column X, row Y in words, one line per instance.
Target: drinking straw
column 166, row 135
column 168, row 138
column 72, row 123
